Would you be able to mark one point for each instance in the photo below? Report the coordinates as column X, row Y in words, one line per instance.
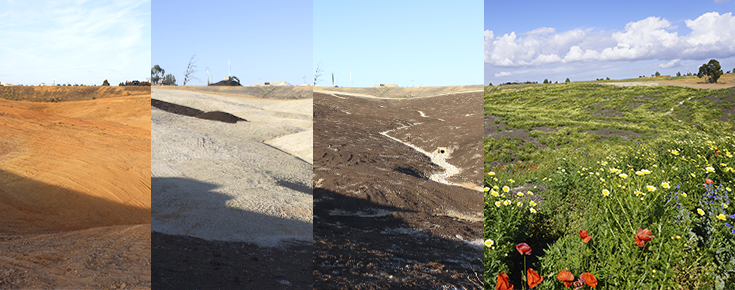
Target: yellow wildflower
column 700, row 211
column 506, row 188
column 491, row 173
column 605, row 192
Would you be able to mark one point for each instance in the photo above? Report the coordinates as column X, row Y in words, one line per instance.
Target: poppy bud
column 585, row 237
column 524, row 249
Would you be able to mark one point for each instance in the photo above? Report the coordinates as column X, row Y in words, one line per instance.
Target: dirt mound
column 175, row 108
column 220, row 116
column 374, row 204
column 226, row 83
column 62, row 94
column 191, row 112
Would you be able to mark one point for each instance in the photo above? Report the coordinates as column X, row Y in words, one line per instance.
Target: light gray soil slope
column 220, row 181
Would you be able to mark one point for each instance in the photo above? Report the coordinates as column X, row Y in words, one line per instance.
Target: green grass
column 591, row 135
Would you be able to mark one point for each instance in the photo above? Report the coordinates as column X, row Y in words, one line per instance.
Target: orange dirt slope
column 74, row 165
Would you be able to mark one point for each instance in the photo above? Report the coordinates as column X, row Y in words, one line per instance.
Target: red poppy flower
column 589, row 279
column 643, row 235
column 503, row 283
column 708, row 181
column 585, row 237
column 565, row 277
column 533, row 278
column 524, row 249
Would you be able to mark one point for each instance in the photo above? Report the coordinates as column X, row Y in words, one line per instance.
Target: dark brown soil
column 220, row 116
column 226, row 83
column 379, row 223
column 182, row 262
column 191, row 112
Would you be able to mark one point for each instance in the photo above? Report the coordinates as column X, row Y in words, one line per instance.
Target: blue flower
column 732, row 216
column 728, row 225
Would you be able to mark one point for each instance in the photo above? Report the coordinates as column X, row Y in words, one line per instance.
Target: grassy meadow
column 621, row 187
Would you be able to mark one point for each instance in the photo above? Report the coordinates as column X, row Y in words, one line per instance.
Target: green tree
column 607, row 78
column 658, row 74
column 712, row 70
column 169, row 79
column 106, row 83
column 567, row 81
column 678, row 74
column 490, row 85
column 546, row 81
column 157, row 74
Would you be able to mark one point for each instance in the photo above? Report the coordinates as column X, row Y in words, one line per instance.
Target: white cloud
column 712, row 35
column 672, row 63
column 503, row 74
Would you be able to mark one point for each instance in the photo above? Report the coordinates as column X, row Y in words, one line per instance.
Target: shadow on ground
column 30, row 206
column 185, row 262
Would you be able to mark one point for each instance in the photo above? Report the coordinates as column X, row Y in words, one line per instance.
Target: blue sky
column 534, row 40
column 265, row 41
column 66, row 41
column 430, row 43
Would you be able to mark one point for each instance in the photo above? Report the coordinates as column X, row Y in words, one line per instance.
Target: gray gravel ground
column 219, row 181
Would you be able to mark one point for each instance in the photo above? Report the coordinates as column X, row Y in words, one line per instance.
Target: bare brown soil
column 115, row 257
column 74, row 175
column 379, row 223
